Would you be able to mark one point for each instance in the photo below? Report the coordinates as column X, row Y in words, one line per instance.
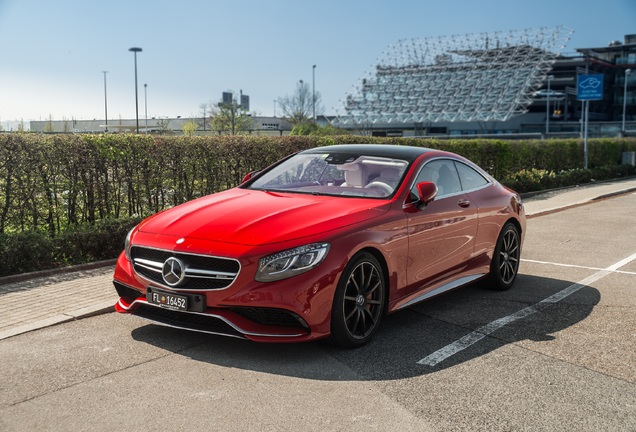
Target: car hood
column 251, row 217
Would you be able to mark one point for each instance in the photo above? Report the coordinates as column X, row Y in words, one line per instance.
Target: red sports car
column 323, row 243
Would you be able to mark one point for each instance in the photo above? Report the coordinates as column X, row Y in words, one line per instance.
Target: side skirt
column 442, row 289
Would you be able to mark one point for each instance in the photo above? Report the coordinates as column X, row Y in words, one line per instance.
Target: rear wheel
column 505, row 261
column 359, row 302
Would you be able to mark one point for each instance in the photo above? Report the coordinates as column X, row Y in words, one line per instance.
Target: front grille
column 202, row 272
column 198, row 322
column 272, row 317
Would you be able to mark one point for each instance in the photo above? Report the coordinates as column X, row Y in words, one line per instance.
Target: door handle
column 463, row 203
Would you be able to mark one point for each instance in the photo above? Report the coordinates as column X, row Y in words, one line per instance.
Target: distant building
column 613, row 61
column 171, row 126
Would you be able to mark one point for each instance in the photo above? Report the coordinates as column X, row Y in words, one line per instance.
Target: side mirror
column 249, row 176
column 426, row 191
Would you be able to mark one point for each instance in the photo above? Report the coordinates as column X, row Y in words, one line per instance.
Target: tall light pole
column 135, row 50
column 313, row 90
column 547, row 108
column 146, row 105
column 627, row 73
column 301, row 98
column 105, row 102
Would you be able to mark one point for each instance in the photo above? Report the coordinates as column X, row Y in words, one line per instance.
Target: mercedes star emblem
column 173, row 271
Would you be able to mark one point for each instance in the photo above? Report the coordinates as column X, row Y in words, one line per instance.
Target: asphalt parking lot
column 556, row 353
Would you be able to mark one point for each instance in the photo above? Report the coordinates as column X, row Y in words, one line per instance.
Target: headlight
column 291, row 262
column 127, row 244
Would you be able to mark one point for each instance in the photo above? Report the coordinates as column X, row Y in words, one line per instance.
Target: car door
column 441, row 235
column 492, row 208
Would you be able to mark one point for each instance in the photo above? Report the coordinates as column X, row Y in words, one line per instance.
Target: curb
column 582, row 203
column 613, row 194
column 528, row 195
column 86, row 312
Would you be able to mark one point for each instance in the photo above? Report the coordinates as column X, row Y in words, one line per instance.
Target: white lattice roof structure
column 475, row 77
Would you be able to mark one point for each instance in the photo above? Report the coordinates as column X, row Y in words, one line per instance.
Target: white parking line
column 575, row 266
column 477, row 335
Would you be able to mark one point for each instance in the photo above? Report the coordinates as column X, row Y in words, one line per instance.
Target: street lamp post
column 105, row 102
column 627, row 73
column 313, row 90
column 146, row 105
column 547, row 108
column 135, row 50
column 301, row 99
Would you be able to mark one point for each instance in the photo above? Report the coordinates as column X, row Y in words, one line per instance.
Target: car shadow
column 405, row 337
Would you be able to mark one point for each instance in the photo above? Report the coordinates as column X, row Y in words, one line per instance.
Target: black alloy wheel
column 359, row 302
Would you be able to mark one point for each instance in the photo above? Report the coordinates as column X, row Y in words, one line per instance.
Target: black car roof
column 407, row 153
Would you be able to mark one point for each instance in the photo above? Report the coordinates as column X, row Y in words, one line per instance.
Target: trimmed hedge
column 29, row 251
column 69, row 199
column 533, row 180
column 54, row 182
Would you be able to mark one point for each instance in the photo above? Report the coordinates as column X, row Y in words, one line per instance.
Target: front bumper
column 244, row 323
column 293, row 310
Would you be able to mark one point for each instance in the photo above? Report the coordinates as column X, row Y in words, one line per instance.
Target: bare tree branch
column 298, row 108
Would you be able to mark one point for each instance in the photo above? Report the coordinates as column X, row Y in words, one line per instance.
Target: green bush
column 533, row 180
column 24, row 252
column 530, row 180
column 90, row 243
column 29, row 251
column 311, row 128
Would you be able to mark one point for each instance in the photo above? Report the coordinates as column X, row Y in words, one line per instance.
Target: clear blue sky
column 53, row 52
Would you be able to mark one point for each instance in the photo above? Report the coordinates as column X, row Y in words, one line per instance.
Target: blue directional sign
column 590, row 87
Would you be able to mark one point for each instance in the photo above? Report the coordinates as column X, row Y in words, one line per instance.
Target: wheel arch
column 385, row 272
column 516, row 223
column 494, row 276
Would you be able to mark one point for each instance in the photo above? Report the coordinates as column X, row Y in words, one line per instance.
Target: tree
column 189, row 127
column 299, row 107
column 203, row 121
column 48, row 128
column 311, row 128
column 163, row 125
column 230, row 117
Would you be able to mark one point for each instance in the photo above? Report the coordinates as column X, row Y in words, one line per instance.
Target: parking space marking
column 575, row 266
column 477, row 335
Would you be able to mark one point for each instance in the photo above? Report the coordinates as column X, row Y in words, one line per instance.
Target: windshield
column 335, row 174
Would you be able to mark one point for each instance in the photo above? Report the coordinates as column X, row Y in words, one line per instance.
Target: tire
column 505, row 261
column 358, row 304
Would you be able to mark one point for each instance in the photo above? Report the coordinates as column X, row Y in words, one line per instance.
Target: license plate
column 167, row 300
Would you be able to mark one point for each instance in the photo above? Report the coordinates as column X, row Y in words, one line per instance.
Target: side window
column 470, row 178
column 443, row 173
